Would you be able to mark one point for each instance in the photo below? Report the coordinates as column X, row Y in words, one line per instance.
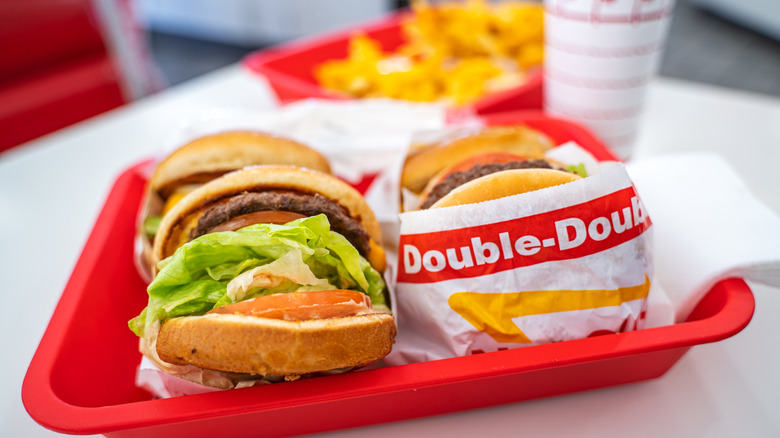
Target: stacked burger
column 264, row 265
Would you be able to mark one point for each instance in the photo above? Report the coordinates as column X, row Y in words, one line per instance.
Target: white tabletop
column 51, row 192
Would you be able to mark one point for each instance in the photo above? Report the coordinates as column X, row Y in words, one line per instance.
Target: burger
column 206, row 158
column 475, row 166
column 268, row 272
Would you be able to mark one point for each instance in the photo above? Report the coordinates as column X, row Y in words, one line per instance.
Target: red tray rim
column 52, row 412
column 596, row 147
column 261, row 62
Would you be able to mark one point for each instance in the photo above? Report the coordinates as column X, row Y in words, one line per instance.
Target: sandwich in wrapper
column 203, row 159
column 267, row 273
column 508, row 245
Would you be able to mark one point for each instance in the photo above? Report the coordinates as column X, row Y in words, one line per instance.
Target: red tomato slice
column 298, row 306
column 259, row 217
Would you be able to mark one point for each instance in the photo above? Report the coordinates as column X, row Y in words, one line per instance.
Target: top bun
column 176, row 225
column 213, row 155
column 421, row 166
column 505, row 183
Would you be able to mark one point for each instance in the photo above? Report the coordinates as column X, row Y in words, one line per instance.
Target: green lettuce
column 579, row 169
column 151, row 224
column 301, row 255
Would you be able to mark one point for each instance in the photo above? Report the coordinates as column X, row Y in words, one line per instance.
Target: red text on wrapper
column 567, row 233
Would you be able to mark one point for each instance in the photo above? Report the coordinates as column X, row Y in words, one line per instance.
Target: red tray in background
column 81, row 379
column 289, row 68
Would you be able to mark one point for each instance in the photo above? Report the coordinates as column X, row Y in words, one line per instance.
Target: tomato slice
column 258, row 217
column 298, row 306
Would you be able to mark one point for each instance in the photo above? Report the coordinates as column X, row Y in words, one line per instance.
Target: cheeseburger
column 269, row 272
column 209, row 157
column 478, row 166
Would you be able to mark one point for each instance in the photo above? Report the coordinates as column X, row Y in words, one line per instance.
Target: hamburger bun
column 177, row 226
column 254, row 345
column 504, row 183
column 213, row 155
column 421, row 166
column 477, row 167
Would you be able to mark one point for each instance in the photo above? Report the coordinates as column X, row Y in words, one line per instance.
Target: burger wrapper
column 164, row 385
column 556, row 264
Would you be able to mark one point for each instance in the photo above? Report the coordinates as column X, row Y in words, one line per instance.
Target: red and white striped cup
column 600, row 55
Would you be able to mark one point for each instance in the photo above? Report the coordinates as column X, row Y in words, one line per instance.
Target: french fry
column 454, row 52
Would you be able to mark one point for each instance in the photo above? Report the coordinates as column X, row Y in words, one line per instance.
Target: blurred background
column 66, row 60
column 730, row 43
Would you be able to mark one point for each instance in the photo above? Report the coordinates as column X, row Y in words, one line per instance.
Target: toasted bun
column 504, row 183
column 248, row 344
column 176, row 225
column 420, row 167
column 441, row 176
column 213, row 155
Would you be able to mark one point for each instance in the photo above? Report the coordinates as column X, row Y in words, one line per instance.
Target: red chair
column 56, row 68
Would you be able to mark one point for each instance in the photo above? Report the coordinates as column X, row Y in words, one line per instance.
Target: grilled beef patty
column 457, row 179
column 304, row 204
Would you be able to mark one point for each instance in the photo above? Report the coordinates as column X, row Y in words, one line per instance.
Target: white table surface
column 51, row 191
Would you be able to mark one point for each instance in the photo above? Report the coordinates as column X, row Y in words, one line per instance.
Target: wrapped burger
column 506, row 241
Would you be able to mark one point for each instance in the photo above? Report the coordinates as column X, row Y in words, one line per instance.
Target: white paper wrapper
column 163, row 385
column 551, row 265
column 710, row 226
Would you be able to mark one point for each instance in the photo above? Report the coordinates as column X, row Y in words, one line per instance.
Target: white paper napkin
column 708, row 226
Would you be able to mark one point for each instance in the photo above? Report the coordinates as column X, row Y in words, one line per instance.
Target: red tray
column 289, row 68
column 81, row 379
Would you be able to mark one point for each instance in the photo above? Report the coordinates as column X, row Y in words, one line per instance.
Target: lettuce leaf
column 151, row 224
column 282, row 273
column 301, row 255
column 579, row 169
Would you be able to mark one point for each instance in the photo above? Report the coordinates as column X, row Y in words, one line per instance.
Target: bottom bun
column 505, row 183
column 254, row 345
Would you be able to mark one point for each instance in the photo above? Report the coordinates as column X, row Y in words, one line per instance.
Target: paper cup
column 600, row 55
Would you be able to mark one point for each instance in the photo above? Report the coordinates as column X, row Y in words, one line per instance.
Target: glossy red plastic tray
column 81, row 379
column 289, row 68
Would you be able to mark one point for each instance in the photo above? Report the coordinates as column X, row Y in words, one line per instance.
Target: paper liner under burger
column 511, row 272
column 165, row 380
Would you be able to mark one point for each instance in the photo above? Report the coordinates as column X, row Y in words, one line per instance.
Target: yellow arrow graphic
column 492, row 313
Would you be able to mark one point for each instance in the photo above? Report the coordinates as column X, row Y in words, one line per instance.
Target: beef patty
column 304, row 204
column 457, row 179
